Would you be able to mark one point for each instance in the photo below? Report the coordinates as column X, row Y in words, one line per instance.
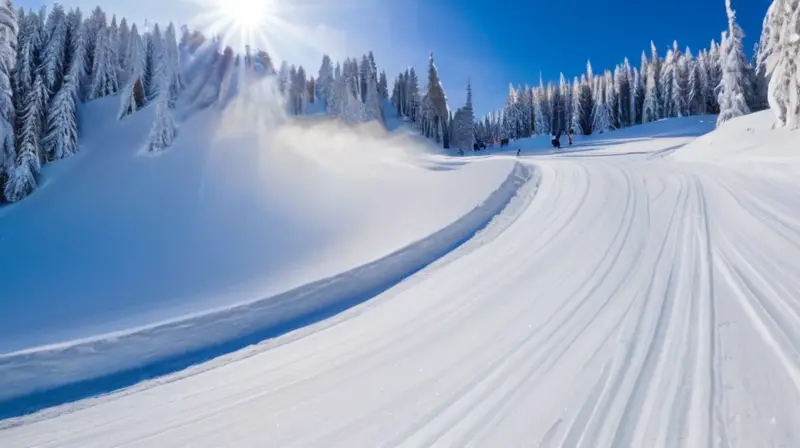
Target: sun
column 247, row 15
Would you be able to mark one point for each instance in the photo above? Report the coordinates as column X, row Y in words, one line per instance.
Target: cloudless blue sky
column 490, row 42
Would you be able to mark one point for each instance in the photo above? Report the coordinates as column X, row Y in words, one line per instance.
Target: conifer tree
column 8, row 59
column 54, row 51
column 105, row 80
column 733, row 89
column 373, row 105
column 133, row 97
column 61, row 132
column 779, row 59
column 172, row 60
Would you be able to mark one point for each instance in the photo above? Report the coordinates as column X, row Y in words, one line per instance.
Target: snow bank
column 745, row 139
column 31, row 380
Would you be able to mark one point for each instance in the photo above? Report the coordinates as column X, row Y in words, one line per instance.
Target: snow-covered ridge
column 38, row 378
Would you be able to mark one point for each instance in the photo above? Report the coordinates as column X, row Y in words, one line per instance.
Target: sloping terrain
column 640, row 293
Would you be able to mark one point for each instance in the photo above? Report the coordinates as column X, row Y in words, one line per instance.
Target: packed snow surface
column 641, row 289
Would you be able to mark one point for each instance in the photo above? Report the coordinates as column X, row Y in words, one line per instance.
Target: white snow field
column 634, row 292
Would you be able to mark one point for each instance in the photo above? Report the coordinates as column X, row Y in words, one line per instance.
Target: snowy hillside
column 639, row 290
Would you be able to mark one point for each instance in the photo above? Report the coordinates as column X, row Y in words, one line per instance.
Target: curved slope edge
column 41, row 378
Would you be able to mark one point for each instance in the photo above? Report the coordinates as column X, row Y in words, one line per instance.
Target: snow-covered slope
column 636, row 294
column 116, row 239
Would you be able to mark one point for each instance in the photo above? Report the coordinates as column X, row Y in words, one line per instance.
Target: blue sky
column 490, row 42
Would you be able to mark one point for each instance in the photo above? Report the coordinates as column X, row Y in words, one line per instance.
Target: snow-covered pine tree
column 283, row 78
column 667, row 82
column 577, row 109
column 324, row 80
column 412, row 95
column 587, row 106
column 637, row 97
column 466, row 126
column 8, row 59
column 654, row 69
column 779, row 58
column 383, row 85
column 715, row 76
column 760, row 83
column 300, row 91
column 173, row 64
column 30, row 154
column 54, row 51
column 438, row 103
column 373, row 106
column 133, row 97
column 602, row 113
column 76, row 50
column 650, row 107
column 164, row 130
column 154, row 49
column 95, row 24
column 695, row 98
column 622, row 91
column 541, row 110
column 733, row 89
column 61, row 129
column 364, row 71
column 105, row 80
column 680, row 82
column 29, row 43
column 123, row 43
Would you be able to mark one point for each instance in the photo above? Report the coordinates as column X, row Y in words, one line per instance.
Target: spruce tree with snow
column 95, row 24
column 105, row 80
column 283, row 78
column 541, row 110
column 437, row 101
column 364, row 71
column 123, row 43
column 602, row 119
column 587, row 106
column 654, row 70
column 172, row 61
column 335, row 102
column 8, row 59
column 61, row 129
column 164, row 130
column 29, row 43
column 373, row 106
column 29, row 150
column 733, row 89
column 54, row 50
column 667, row 83
column 154, row 49
column 76, row 50
column 680, row 82
column 324, row 82
column 576, row 123
column 383, row 86
column 133, row 97
column 622, row 91
column 779, row 58
column 637, row 97
column 695, row 98
column 715, row 76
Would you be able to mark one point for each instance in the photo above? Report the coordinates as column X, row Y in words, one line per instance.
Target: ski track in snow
column 627, row 300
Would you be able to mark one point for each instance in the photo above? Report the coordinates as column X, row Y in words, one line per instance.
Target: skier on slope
column 571, row 133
